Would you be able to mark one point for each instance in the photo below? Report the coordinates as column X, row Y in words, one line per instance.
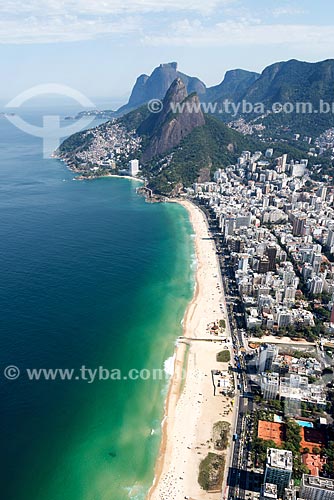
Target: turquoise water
column 304, row 423
column 90, row 275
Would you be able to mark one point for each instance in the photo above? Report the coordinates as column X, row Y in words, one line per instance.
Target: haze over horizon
column 99, row 48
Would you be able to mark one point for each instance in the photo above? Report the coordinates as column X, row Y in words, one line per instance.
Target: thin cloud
column 97, row 7
column 64, row 29
column 242, row 33
column 51, row 21
column 288, row 11
column 24, row 22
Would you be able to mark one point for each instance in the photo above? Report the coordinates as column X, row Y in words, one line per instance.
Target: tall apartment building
column 133, row 167
column 266, row 357
column 316, row 285
column 316, row 261
column 243, row 263
column 263, row 265
column 299, row 223
column 281, row 163
column 270, row 385
column 290, row 294
column 284, row 318
column 316, row 488
column 278, row 469
column 271, row 251
column 229, row 226
column 330, row 238
column 322, row 193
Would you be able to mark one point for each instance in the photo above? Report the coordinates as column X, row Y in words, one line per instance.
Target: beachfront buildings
column 278, row 469
column 267, row 355
column 316, row 488
column 274, row 227
column 133, row 167
column 293, row 389
column 297, row 387
column 269, row 385
column 277, row 227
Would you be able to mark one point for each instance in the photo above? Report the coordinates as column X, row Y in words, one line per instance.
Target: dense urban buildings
column 276, row 231
column 278, row 227
column 278, row 469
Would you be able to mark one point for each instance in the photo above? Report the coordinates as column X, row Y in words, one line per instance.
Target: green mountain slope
column 205, row 149
column 296, row 82
column 236, row 82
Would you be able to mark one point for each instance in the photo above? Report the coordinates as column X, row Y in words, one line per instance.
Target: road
column 237, row 481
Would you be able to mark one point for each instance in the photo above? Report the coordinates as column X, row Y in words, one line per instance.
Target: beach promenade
column 191, row 406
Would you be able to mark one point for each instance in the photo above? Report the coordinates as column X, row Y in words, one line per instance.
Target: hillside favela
column 167, row 250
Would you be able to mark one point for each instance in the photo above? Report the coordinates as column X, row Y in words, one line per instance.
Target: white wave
column 136, row 492
column 169, row 365
column 164, row 391
column 193, row 262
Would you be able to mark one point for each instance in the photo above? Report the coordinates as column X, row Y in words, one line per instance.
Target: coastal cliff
column 167, row 129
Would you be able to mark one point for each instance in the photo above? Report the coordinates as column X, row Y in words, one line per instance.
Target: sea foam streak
column 169, row 365
column 136, row 492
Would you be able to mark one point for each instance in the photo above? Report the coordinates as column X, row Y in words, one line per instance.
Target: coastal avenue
column 236, row 474
column 236, row 479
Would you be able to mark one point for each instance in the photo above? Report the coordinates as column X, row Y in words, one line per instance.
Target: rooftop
column 313, row 462
column 269, row 490
column 280, row 459
column 318, row 482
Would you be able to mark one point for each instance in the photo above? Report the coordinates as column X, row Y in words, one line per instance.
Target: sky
column 99, row 47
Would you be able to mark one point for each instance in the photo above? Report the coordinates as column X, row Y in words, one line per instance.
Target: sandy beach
column 129, row 177
column 191, row 407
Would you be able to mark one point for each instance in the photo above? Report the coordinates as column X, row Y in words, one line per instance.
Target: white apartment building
column 316, row 488
column 133, row 167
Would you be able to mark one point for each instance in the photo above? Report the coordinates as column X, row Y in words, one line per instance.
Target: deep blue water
column 90, row 275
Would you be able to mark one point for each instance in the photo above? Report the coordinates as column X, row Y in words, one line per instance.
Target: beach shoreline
column 175, row 382
column 92, row 177
column 118, row 176
column 106, row 176
column 191, row 408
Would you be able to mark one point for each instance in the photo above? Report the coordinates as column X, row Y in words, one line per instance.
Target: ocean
column 90, row 276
